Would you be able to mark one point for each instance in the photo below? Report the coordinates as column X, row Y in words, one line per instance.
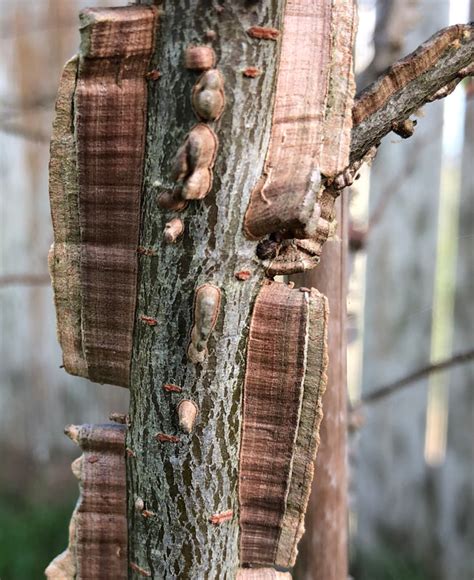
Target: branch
column 382, row 392
column 431, row 72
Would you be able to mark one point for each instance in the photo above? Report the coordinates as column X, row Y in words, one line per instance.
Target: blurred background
column 410, row 306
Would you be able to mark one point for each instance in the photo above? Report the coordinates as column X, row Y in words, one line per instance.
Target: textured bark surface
column 284, row 382
column 187, row 482
column 98, row 529
column 65, row 253
column 116, row 46
column 409, row 84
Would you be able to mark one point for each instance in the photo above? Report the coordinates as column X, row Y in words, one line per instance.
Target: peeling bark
column 116, row 46
column 65, row 254
column 310, row 134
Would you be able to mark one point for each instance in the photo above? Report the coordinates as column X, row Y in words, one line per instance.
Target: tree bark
column 184, row 483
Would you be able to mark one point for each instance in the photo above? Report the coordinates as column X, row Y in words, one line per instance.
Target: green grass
column 31, row 535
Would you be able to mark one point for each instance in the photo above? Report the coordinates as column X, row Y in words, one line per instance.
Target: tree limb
column 430, row 72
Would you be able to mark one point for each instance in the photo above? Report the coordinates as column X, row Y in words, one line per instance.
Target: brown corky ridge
column 284, row 382
column 98, row 528
column 110, row 122
column 65, row 254
column 311, row 118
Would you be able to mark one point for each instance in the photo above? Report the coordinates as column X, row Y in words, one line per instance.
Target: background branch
column 382, row 392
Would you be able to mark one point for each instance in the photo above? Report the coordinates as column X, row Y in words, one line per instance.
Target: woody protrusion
column 187, row 413
column 206, row 311
column 173, row 231
column 172, row 200
column 199, row 58
column 208, row 96
column 194, row 162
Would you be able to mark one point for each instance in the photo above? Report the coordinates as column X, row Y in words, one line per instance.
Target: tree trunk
column 248, row 125
column 185, row 479
column 393, row 505
column 184, row 483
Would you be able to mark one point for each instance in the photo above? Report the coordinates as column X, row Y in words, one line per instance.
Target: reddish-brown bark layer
column 98, row 529
column 110, row 125
column 285, row 197
column 311, row 118
column 311, row 134
column 281, row 415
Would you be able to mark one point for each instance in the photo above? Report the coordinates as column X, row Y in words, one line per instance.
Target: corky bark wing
column 96, row 168
column 284, row 382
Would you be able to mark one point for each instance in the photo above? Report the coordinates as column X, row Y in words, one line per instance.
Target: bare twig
column 24, row 280
column 386, row 390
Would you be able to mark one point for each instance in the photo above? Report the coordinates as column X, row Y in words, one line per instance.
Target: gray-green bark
column 185, row 483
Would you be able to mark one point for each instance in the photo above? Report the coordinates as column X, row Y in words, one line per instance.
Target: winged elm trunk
column 187, row 481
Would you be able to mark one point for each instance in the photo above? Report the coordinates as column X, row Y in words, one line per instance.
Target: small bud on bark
column 173, row 230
